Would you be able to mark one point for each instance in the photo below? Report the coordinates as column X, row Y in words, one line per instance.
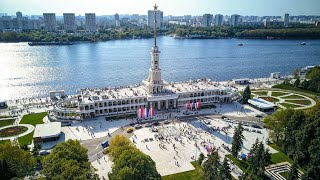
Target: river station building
column 153, row 93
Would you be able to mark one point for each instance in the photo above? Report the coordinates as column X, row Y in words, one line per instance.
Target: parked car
column 259, row 116
column 130, row 130
column 105, row 144
column 206, row 121
column 256, row 126
column 147, row 125
column 137, row 126
column 166, row 122
column 44, row 152
column 155, row 123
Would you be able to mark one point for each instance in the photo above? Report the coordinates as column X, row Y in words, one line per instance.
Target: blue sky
column 170, row 7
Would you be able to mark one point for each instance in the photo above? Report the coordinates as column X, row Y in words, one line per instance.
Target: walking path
column 29, row 126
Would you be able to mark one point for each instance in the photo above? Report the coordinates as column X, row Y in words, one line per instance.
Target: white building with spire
column 152, row 94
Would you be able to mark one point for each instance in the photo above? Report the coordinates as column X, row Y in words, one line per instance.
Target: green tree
column 118, row 145
column 276, row 123
column 293, row 173
column 132, row 164
column 246, row 95
column 15, row 162
column 259, row 159
column 68, row 160
column 237, row 140
column 297, row 82
column 201, row 158
column 225, row 173
column 211, row 166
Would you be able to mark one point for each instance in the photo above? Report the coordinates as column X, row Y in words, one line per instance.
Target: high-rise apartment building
column 19, row 15
column 235, row 20
column 117, row 20
column 69, row 22
column 159, row 18
column 50, row 22
column 207, row 20
column 90, row 22
column 218, row 20
column 286, row 20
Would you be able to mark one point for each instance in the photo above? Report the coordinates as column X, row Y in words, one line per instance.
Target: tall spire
column 155, row 25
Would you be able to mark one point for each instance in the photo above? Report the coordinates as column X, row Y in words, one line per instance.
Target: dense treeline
column 311, row 83
column 298, row 133
column 257, row 32
column 103, row 35
column 313, row 80
column 290, row 33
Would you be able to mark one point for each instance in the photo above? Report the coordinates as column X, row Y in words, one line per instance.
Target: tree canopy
column 298, row 133
column 237, row 140
column 68, row 160
column 15, row 162
column 129, row 162
column 246, row 95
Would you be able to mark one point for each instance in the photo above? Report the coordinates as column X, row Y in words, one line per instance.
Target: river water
column 33, row 71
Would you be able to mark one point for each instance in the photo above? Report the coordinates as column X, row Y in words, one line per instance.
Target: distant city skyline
column 169, row 7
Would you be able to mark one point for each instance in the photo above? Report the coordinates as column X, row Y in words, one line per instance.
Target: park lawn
column 260, row 93
column 26, row 140
column 293, row 97
column 285, row 174
column 303, row 102
column 33, row 119
column 4, row 141
column 290, row 105
column 293, row 88
column 243, row 165
column 193, row 174
column 6, row 122
column 276, row 94
column 279, row 156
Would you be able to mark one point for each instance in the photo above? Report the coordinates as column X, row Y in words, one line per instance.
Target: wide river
column 33, row 71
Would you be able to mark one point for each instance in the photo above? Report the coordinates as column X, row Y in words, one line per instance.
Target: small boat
column 240, row 44
column 303, row 43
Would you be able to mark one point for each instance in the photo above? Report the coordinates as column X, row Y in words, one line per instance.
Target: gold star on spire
column 155, row 7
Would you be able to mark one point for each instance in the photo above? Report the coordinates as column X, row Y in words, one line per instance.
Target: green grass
column 276, row 94
column 193, row 174
column 260, row 93
column 285, row 174
column 290, row 105
column 243, row 165
column 4, row 141
column 6, row 122
column 26, row 140
column 33, row 119
column 280, row 156
column 290, row 87
column 303, row 102
column 293, row 97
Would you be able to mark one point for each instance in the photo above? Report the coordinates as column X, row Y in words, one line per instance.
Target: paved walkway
column 282, row 99
column 29, row 126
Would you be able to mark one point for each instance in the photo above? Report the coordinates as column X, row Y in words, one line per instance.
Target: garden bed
column 12, row 131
